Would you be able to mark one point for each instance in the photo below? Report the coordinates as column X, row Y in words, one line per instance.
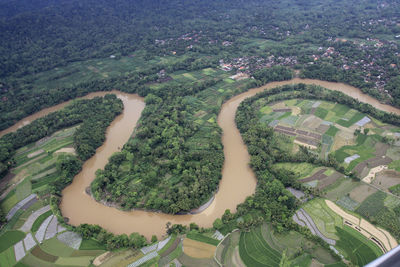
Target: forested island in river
column 199, row 133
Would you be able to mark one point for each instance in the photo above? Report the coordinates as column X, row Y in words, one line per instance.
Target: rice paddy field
column 350, row 243
column 263, row 246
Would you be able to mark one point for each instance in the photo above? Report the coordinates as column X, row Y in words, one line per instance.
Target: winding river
column 238, row 181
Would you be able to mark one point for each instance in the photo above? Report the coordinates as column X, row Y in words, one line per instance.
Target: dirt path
column 102, row 258
column 236, row 260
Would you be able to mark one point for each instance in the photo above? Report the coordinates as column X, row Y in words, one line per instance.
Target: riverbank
column 237, row 181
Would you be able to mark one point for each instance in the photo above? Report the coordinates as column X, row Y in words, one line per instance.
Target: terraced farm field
column 255, row 251
column 359, row 249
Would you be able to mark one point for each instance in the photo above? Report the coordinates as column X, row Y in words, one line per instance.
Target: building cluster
column 373, row 64
column 249, row 64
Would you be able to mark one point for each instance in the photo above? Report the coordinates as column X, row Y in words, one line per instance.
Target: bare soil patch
column 190, row 261
column 66, row 150
column 381, row 149
column 315, row 263
column 312, row 122
column 373, row 172
column 359, row 168
column 39, row 253
column 279, row 105
column 198, row 249
column 386, row 179
column 34, row 154
column 319, row 175
column 377, row 161
column 329, row 180
column 360, row 193
column 322, row 128
column 102, row 258
column 236, row 260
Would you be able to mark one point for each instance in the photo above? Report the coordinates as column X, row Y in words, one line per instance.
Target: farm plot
column 372, row 205
column 255, row 251
column 325, row 219
column 386, row 179
column 358, row 249
column 197, row 249
column 361, row 192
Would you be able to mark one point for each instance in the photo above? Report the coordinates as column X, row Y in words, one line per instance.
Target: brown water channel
column 237, row 182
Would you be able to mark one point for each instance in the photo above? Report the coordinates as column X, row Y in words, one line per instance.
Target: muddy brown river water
column 238, row 181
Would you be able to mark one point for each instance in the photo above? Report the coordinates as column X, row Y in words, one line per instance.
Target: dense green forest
column 338, row 37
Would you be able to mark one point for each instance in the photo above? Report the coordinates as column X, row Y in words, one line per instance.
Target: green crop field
column 340, row 110
column 202, row 238
column 10, row 238
column 395, row 165
column 372, row 205
column 9, row 202
column 332, row 131
column 347, row 123
column 358, row 249
column 57, row 248
column 301, row 170
column 325, row 219
column 7, row 257
column 90, row 244
column 40, row 220
column 255, row 251
column 321, row 112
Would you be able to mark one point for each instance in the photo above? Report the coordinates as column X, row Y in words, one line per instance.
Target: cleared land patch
column 197, row 249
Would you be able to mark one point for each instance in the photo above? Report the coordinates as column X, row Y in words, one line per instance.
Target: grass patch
column 57, row 248
column 347, row 123
column 39, row 253
column 45, row 180
column 40, row 220
column 266, row 109
column 302, row 260
column 90, row 244
column 202, row 238
column 301, row 170
column 321, row 113
column 10, row 238
column 332, row 131
column 395, row 189
column 166, row 247
column 395, row 165
column 10, row 201
column 7, row 257
column 340, row 109
column 74, row 261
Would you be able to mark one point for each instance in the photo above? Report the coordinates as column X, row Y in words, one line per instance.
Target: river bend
column 238, row 180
